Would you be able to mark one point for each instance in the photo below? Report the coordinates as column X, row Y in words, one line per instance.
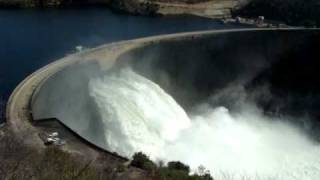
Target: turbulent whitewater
column 139, row 116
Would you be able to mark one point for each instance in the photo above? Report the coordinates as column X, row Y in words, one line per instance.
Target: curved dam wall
column 190, row 67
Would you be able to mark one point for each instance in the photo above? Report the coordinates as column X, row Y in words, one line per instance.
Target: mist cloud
column 232, row 143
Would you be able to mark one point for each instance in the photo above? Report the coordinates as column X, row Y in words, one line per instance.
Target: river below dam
column 32, row 38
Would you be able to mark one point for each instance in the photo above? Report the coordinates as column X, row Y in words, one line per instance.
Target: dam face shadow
column 195, row 68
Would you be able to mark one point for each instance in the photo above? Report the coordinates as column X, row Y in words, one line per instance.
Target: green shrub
column 174, row 170
column 142, row 161
column 177, row 165
column 172, row 174
column 201, row 177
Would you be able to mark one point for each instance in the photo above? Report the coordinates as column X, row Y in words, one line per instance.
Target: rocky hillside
column 207, row 8
column 292, row 12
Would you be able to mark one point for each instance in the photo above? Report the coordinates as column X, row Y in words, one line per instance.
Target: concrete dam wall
column 191, row 68
column 273, row 70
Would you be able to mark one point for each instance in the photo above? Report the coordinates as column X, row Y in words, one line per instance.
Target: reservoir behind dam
column 32, row 38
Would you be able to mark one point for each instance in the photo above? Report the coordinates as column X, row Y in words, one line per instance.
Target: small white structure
column 54, row 134
column 52, row 139
column 261, row 18
column 49, row 140
column 238, row 19
column 79, row 48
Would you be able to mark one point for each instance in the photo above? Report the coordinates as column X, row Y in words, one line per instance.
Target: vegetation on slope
column 173, row 170
column 19, row 161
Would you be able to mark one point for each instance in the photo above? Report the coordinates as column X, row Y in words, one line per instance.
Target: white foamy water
column 139, row 116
